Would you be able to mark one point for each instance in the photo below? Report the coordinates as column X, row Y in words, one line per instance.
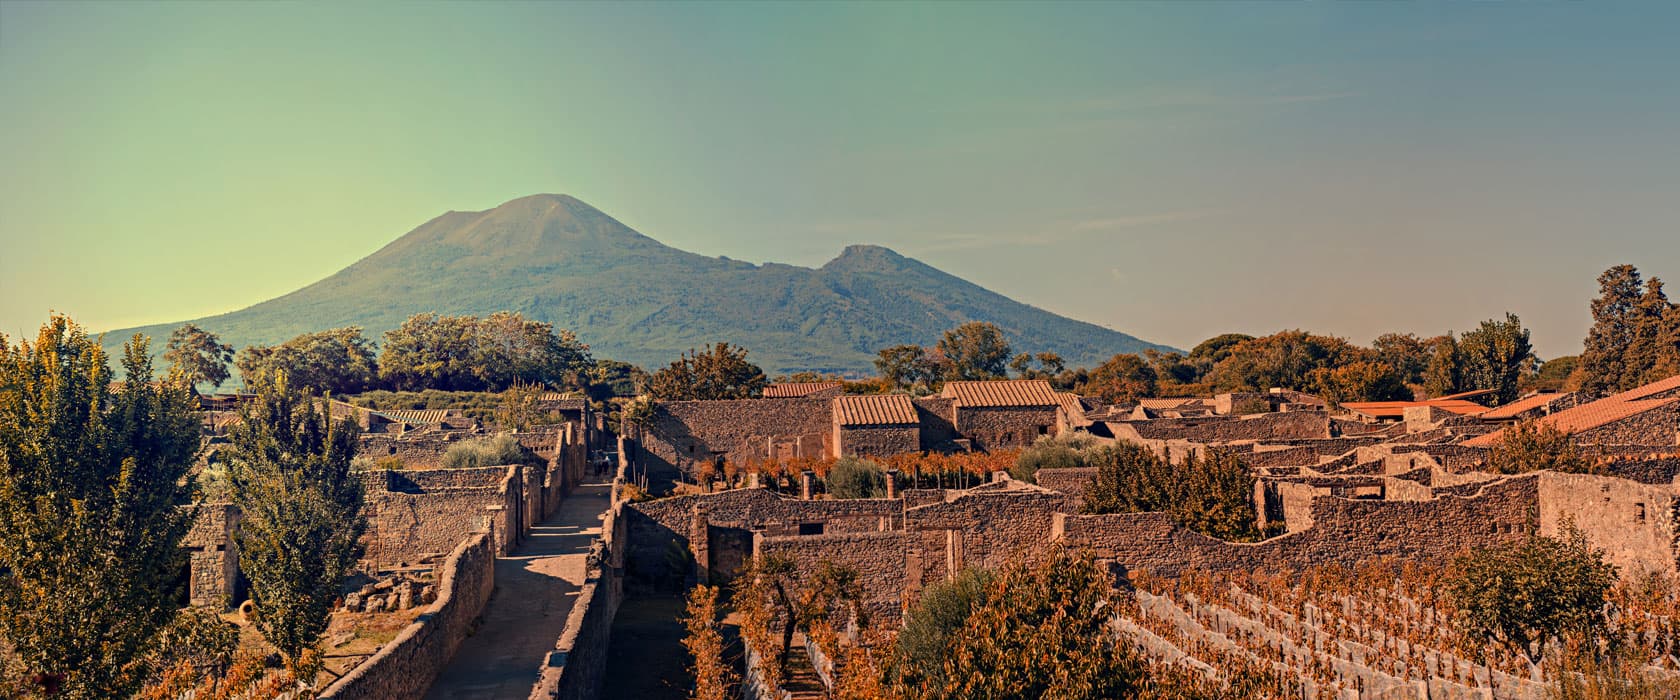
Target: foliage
column 712, row 675
column 1050, row 452
column 720, row 371
column 429, row 351
column 1210, row 493
column 1360, row 381
column 301, row 526
column 976, row 350
column 939, row 613
column 1040, row 631
column 93, row 478
column 337, row 361
column 495, row 451
column 1527, row 594
column 1496, row 356
column 1121, row 379
column 853, row 477
column 199, row 355
column 1530, row 446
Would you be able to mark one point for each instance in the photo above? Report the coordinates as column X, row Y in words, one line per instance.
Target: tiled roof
column 877, row 409
column 794, row 390
column 1002, row 393
column 416, row 417
column 1397, row 409
column 1585, row 416
column 1523, row 405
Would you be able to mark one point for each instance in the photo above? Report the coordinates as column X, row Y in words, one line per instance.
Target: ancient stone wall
column 406, row 666
column 1630, row 521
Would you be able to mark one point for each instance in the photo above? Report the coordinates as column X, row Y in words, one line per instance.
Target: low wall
column 406, row 666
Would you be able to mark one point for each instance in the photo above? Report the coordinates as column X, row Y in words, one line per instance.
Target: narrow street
column 535, row 589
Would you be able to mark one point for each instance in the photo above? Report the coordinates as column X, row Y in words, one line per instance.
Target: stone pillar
column 892, row 483
column 807, row 480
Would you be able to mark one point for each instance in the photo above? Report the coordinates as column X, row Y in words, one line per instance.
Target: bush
column 1051, row 453
column 852, row 477
column 489, row 452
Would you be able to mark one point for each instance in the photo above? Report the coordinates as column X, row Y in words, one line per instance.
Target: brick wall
column 406, row 666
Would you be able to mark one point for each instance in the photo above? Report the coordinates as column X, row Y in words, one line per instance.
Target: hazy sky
column 1172, row 171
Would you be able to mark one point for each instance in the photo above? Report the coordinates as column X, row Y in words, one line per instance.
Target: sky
column 1174, row 171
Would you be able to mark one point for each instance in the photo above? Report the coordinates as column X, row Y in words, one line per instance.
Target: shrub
column 852, row 477
column 489, row 452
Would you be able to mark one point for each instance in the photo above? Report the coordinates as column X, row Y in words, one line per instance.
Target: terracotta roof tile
column 794, row 390
column 1002, row 393
column 877, row 409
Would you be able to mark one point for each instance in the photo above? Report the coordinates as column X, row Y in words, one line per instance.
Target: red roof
column 877, row 409
column 794, row 390
column 1002, row 393
column 1397, row 409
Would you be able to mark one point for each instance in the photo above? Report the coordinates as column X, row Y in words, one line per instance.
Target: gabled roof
column 794, row 390
column 1002, row 393
column 1522, row 405
column 1397, row 409
column 877, row 409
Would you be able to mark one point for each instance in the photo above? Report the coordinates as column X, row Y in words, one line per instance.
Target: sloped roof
column 1002, row 393
column 878, row 409
column 1522, row 405
column 1397, row 409
column 794, row 390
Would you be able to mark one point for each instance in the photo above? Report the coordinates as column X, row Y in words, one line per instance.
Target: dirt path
column 535, row 588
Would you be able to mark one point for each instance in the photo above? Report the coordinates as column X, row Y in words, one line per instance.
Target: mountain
column 633, row 298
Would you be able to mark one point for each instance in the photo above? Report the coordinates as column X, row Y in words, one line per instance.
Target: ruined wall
column 406, row 666
column 1632, row 522
column 878, row 557
column 1658, row 426
column 1002, row 428
column 1344, row 532
column 877, row 441
column 213, row 556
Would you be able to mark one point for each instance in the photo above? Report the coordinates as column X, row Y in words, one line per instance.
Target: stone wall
column 1630, row 521
column 406, row 666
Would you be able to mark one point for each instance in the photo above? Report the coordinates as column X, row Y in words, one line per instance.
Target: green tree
column 720, row 371
column 1040, row 631
column 1604, row 355
column 1496, row 356
column 199, row 355
column 338, row 361
column 976, row 350
column 301, row 526
column 1526, row 594
column 940, row 611
column 852, row 477
column 1530, row 446
column 1120, row 379
column 93, row 480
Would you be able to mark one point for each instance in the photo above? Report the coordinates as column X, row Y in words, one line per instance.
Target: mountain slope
column 633, row 298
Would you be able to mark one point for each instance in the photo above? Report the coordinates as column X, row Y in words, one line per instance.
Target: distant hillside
column 633, row 298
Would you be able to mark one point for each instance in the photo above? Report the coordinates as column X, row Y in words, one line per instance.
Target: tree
column 1526, row 594
column 1361, row 381
column 337, row 361
column 1121, row 379
column 1040, row 631
column 199, row 355
column 851, row 477
column 1496, row 356
column 905, row 366
column 720, row 371
column 1531, row 446
column 976, row 350
column 1604, row 355
column 93, row 480
column 301, row 525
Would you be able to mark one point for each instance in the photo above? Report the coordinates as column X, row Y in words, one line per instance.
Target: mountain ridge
column 631, row 297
